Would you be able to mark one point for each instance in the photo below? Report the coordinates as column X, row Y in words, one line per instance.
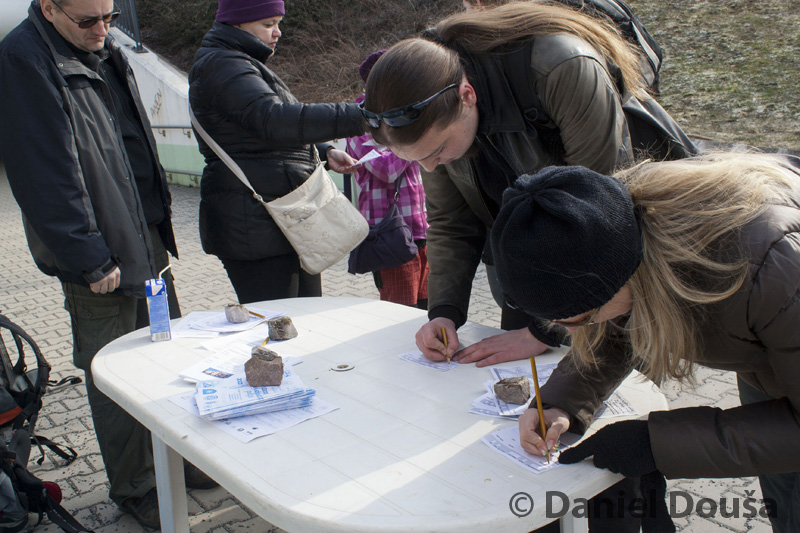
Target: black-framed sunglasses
column 401, row 116
column 586, row 321
column 85, row 24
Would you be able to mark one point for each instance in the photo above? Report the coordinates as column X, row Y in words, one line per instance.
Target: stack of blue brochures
column 219, row 399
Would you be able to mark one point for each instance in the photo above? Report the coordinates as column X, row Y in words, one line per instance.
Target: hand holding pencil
column 555, row 422
column 438, row 339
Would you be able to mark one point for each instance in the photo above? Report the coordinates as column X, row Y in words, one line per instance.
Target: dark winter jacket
column 253, row 116
column 754, row 333
column 66, row 163
column 581, row 94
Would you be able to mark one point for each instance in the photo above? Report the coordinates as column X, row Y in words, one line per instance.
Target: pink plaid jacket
column 377, row 179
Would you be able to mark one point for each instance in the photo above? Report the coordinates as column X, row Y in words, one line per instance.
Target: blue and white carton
column 158, row 307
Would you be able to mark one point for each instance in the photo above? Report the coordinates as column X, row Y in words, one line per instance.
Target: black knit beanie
column 565, row 241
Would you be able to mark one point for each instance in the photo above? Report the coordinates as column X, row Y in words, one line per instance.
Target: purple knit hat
column 240, row 11
column 365, row 67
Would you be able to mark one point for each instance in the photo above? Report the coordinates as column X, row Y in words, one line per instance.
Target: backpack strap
column 517, row 68
column 62, row 450
column 31, row 401
column 19, row 335
column 9, row 376
column 41, row 503
column 69, row 380
column 62, row 518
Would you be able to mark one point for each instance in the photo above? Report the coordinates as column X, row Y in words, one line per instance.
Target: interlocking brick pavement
column 35, row 301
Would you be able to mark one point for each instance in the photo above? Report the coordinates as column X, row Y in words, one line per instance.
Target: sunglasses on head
column 401, row 116
column 585, row 321
column 85, row 24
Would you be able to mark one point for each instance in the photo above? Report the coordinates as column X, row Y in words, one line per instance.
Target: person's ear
column 47, row 8
column 467, row 94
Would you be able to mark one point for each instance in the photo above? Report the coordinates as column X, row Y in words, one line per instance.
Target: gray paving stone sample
column 281, row 328
column 514, row 390
column 264, row 368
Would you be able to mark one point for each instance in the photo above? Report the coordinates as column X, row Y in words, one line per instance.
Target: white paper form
column 217, row 321
column 417, row 357
column 485, row 405
column 183, row 327
column 247, row 428
column 542, row 370
column 512, row 409
column 252, row 337
column 224, row 363
column 616, row 405
column 373, row 154
column 506, row 442
column 227, row 361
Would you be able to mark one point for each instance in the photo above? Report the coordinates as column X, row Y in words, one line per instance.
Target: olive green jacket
column 571, row 79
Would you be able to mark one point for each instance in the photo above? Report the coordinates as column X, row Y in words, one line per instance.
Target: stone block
column 281, row 328
column 236, row 313
column 264, row 368
column 514, row 390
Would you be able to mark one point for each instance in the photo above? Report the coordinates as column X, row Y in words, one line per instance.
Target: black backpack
column 654, row 134
column 631, row 28
column 21, row 392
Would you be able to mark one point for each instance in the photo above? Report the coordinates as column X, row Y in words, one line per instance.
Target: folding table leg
column 171, row 486
column 570, row 524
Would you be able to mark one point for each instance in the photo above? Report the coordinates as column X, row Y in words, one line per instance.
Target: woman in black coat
column 255, row 118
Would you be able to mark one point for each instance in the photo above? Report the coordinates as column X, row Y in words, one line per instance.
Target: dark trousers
column 609, row 511
column 783, row 489
column 271, row 279
column 98, row 319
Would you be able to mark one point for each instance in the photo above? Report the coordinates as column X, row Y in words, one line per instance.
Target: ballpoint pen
column 542, row 427
column 444, row 337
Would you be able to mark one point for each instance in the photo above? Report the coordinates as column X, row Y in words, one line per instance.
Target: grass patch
column 731, row 71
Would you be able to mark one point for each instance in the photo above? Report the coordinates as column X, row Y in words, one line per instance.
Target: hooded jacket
column 754, row 333
column 572, row 81
column 254, row 117
column 63, row 150
column 593, row 123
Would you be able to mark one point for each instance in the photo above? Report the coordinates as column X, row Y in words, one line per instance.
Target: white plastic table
column 401, row 454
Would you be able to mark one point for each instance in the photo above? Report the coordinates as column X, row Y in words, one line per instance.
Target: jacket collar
column 225, row 36
column 69, row 59
column 497, row 105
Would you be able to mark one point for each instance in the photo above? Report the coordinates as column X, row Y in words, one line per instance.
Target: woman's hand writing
column 555, row 420
column 430, row 341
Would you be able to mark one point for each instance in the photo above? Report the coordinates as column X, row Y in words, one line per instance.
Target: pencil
column 444, row 336
column 255, row 314
column 542, row 427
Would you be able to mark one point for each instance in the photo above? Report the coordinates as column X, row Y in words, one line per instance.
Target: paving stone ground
column 35, row 301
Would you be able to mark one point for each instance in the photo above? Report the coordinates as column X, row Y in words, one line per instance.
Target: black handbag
column 389, row 243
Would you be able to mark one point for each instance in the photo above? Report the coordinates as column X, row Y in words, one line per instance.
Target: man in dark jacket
column 82, row 164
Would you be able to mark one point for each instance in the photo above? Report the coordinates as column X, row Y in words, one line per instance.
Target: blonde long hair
column 690, row 212
column 414, row 69
column 487, row 29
